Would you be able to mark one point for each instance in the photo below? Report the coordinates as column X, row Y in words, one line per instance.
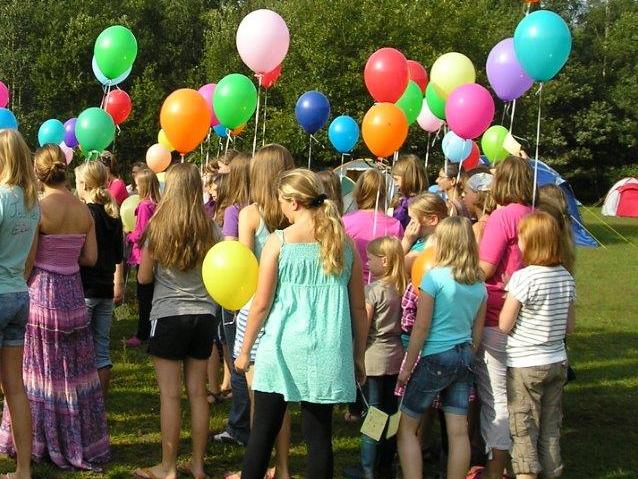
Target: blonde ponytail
column 389, row 247
column 95, row 176
column 306, row 189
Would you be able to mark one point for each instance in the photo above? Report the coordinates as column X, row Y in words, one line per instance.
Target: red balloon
column 386, row 75
column 418, row 74
column 118, row 104
column 268, row 80
column 473, row 160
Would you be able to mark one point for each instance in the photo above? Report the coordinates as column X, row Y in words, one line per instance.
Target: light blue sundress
column 306, row 353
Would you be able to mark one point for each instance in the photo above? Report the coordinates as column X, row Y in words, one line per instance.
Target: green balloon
column 411, row 101
column 235, row 100
column 492, row 143
column 435, row 102
column 115, row 51
column 94, row 130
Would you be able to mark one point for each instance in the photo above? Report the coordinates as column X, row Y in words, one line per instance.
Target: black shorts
column 181, row 337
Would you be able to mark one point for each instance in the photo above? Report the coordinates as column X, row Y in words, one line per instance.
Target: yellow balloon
column 450, row 71
column 162, row 139
column 230, row 273
column 127, row 212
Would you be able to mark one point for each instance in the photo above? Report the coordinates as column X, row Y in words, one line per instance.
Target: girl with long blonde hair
column 103, row 283
column 448, row 327
column 236, row 194
column 256, row 222
column 410, row 180
column 19, row 217
column 147, row 186
column 310, row 291
column 182, row 316
column 384, row 351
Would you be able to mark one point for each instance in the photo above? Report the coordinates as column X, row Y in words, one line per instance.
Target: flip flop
column 144, row 473
column 184, row 469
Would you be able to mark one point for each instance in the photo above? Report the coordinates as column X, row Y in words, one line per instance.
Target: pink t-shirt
column 499, row 246
column 117, row 188
column 360, row 227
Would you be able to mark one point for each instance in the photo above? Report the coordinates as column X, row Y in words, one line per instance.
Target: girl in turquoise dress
column 310, row 292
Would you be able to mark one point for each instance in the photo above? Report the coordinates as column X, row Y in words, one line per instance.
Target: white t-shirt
column 545, row 293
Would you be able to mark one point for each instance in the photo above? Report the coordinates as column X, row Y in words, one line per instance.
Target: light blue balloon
column 220, row 131
column 51, row 131
column 455, row 148
column 343, row 133
column 542, row 42
column 7, row 119
column 105, row 81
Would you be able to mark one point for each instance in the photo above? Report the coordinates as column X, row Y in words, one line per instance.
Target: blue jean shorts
column 448, row 373
column 100, row 312
column 14, row 314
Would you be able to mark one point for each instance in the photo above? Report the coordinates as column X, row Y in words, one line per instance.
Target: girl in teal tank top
column 310, row 297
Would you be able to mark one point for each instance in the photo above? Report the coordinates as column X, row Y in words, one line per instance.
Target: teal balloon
column 411, row 101
column 542, row 42
column 51, row 131
column 115, row 51
column 235, row 100
column 94, row 130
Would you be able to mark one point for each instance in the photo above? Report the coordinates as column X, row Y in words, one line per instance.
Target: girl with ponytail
column 103, row 282
column 310, row 297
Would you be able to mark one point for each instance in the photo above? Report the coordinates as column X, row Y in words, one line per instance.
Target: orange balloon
column 238, row 131
column 422, row 264
column 158, row 158
column 185, row 118
column 384, row 129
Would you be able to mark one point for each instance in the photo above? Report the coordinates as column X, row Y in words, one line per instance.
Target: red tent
column 628, row 200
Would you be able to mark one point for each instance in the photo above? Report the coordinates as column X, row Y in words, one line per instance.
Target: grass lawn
column 600, row 437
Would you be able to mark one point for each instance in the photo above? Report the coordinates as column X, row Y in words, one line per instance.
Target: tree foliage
column 589, row 128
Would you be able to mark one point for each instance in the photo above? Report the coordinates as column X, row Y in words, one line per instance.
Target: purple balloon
column 505, row 73
column 69, row 133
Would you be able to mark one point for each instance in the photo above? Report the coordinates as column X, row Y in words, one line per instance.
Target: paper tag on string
column 393, row 425
column 512, row 146
column 374, row 423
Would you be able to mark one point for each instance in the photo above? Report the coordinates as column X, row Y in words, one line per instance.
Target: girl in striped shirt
column 538, row 312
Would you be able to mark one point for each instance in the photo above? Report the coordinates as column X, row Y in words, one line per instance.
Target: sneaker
column 226, row 438
column 133, row 342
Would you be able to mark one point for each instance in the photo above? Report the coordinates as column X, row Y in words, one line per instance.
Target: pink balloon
column 68, row 152
column 207, row 91
column 469, row 110
column 427, row 120
column 262, row 40
column 4, row 95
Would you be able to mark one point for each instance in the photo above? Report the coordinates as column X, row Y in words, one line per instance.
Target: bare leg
column 195, row 378
column 105, row 380
column 169, row 382
column 410, row 447
column 16, row 397
column 458, row 460
column 227, row 362
column 213, row 371
column 495, row 466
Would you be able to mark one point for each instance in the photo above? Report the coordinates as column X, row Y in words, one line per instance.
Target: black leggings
column 316, row 423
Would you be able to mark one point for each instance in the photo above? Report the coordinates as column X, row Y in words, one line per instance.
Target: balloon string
column 182, row 155
column 341, row 168
column 219, row 147
column 427, row 158
column 257, row 115
column 506, row 108
column 512, row 119
column 374, row 224
column 309, row 151
column 208, row 145
column 263, row 132
column 227, row 140
column 538, row 137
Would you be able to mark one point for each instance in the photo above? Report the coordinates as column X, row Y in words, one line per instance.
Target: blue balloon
column 455, row 148
column 542, row 42
column 220, row 130
column 343, row 133
column 7, row 119
column 51, row 131
column 312, row 111
column 105, row 81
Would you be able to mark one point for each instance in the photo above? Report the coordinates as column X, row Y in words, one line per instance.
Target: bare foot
column 155, row 472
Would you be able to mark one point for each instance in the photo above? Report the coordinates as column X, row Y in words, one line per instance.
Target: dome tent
column 622, row 199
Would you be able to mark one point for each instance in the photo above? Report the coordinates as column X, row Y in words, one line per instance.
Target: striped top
column 545, row 293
